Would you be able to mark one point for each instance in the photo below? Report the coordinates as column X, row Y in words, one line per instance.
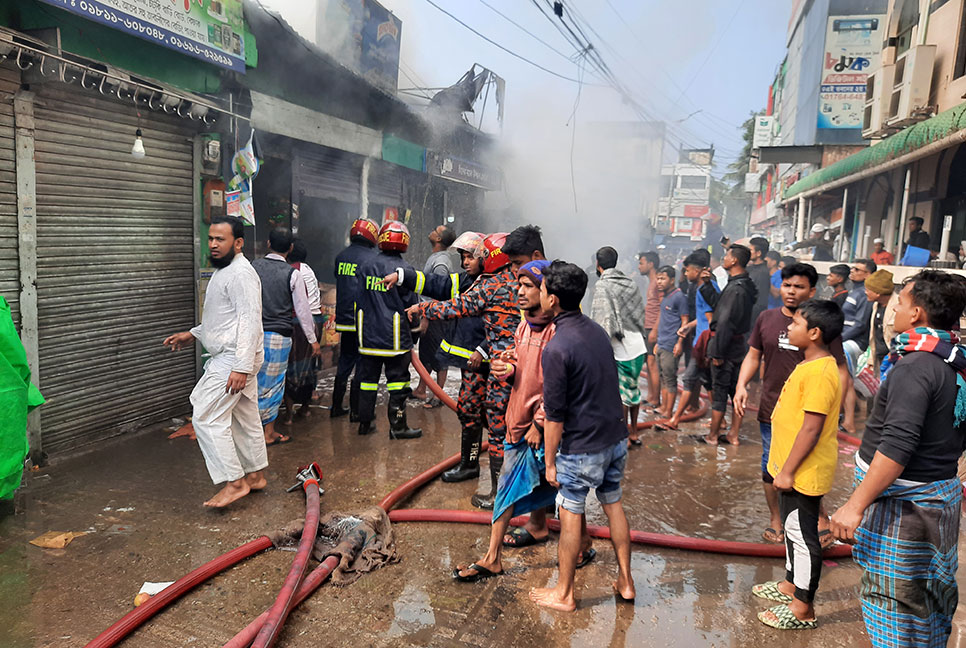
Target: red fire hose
column 278, row 613
column 640, row 537
column 312, row 581
column 133, row 619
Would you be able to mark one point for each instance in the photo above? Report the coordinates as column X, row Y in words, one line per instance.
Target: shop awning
column 946, row 129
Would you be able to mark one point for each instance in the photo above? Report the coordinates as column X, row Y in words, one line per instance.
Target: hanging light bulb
column 138, row 149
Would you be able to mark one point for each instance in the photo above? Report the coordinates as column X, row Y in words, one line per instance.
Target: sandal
column 584, row 558
column 635, row 441
column 482, row 573
column 279, row 440
column 523, row 538
column 782, row 618
column 433, row 403
column 773, row 536
column 770, row 592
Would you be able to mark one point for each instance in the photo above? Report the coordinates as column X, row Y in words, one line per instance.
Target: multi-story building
column 917, row 168
column 684, row 205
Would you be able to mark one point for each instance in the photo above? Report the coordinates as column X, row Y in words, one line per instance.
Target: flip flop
column 584, row 558
column 433, row 403
column 279, row 440
column 785, row 619
column 636, row 442
column 777, row 537
column 770, row 592
column 482, row 573
column 523, row 538
column 700, row 439
column 665, row 427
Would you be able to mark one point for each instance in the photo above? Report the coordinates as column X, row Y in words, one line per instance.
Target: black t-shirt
column 881, row 349
column 770, row 336
column 912, row 419
column 762, row 278
column 919, row 239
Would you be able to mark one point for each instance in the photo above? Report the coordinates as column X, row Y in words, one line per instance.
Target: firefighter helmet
column 468, row 242
column 364, row 228
column 394, row 236
column 491, row 250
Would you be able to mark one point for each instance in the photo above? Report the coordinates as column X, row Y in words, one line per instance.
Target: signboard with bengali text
column 210, row 30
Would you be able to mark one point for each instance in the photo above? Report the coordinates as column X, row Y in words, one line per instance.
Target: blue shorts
column 602, row 471
column 765, row 429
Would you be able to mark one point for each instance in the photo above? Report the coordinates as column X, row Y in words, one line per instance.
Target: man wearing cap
column 879, row 289
column 837, row 282
column 822, row 247
column 880, row 255
column 918, row 237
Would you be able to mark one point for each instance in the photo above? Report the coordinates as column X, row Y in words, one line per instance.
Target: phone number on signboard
column 207, row 53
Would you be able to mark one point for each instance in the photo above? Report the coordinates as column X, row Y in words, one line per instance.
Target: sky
column 676, row 57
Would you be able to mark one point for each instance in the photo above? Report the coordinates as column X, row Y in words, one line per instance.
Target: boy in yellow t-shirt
column 804, row 453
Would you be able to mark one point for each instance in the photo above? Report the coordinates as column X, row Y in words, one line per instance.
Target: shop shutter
column 9, row 259
column 115, row 266
column 322, row 172
column 385, row 184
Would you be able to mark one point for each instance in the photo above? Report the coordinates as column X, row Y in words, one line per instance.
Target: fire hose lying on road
column 298, row 586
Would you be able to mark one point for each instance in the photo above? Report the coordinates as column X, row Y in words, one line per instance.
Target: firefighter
column 465, row 348
column 384, row 336
column 362, row 240
column 494, row 298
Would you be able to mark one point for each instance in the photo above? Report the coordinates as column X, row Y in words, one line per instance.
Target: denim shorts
column 765, row 429
column 602, row 471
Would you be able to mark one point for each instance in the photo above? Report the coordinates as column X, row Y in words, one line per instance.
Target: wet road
column 139, row 500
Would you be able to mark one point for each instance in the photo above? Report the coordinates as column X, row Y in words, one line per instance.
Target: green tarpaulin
column 17, row 397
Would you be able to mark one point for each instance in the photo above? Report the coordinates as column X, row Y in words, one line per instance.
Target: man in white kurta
column 225, row 400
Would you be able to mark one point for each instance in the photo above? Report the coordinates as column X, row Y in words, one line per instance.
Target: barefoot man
column 585, row 434
column 225, row 400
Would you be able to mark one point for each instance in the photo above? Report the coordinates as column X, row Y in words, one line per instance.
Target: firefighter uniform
column 347, row 287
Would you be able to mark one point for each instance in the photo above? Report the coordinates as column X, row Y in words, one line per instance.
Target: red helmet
column 491, row 249
column 365, row 228
column 394, row 236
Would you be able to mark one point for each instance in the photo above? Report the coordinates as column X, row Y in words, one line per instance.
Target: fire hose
column 755, row 549
column 296, row 589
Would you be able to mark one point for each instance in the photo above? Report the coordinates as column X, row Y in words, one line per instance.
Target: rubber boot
column 485, row 502
column 354, row 401
column 469, row 465
column 366, row 427
column 398, row 428
column 338, row 395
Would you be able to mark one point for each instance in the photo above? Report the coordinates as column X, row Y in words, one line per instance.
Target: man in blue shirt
column 674, row 317
column 773, row 260
column 694, row 375
column 585, row 436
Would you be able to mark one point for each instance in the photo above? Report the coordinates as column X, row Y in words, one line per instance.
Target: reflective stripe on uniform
column 455, row 283
column 455, row 350
column 359, row 325
column 420, row 282
column 396, row 386
column 383, row 353
column 395, row 331
column 346, row 328
column 364, row 386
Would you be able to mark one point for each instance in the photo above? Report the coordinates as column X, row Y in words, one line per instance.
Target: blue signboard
column 365, row 37
column 210, row 30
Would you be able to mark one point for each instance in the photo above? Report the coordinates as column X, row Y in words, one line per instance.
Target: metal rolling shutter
column 328, row 173
column 9, row 259
column 114, row 266
column 385, row 183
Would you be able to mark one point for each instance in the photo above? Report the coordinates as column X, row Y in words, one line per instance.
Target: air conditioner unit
column 878, row 91
column 912, row 79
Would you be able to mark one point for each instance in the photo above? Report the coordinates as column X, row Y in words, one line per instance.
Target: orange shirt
column 883, row 258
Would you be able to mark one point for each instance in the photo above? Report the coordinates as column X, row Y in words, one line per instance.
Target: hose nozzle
column 308, row 476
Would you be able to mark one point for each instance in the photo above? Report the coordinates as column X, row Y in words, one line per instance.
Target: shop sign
column 853, row 45
column 452, row 168
column 764, row 125
column 210, row 30
column 752, row 182
column 696, row 211
column 365, row 37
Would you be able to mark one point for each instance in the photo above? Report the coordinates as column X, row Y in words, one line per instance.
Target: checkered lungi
column 628, row 376
column 907, row 545
column 271, row 377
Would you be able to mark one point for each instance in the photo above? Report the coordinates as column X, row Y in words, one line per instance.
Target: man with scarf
column 523, row 487
column 903, row 516
column 619, row 309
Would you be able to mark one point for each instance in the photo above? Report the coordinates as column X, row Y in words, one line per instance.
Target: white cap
column 877, row 240
column 818, row 227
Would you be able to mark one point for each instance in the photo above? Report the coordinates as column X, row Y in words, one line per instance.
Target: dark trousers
column 803, row 549
column 469, row 407
column 724, row 382
column 397, row 382
column 348, row 359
